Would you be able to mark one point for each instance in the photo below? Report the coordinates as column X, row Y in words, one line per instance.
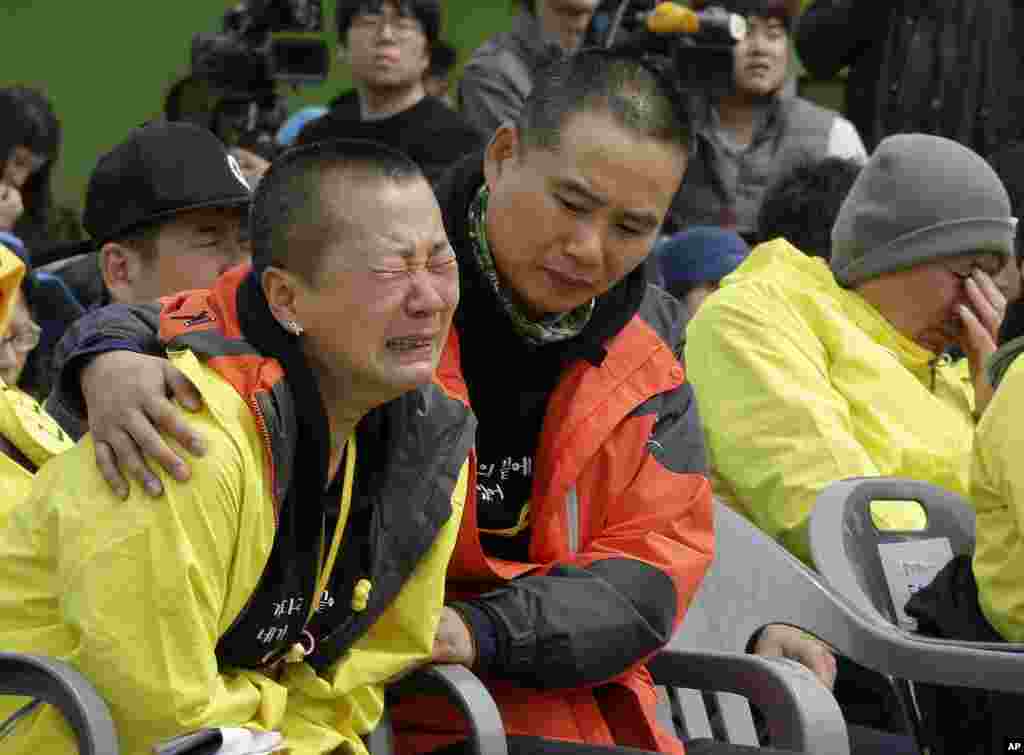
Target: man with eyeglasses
column 387, row 46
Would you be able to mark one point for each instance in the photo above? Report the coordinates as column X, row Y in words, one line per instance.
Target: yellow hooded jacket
column 801, row 382
column 23, row 422
column 997, row 492
column 136, row 593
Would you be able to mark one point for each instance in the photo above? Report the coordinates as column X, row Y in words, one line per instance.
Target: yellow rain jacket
column 23, row 422
column 801, row 382
column 997, row 492
column 136, row 594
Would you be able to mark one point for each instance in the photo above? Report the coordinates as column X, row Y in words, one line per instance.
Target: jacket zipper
column 261, row 424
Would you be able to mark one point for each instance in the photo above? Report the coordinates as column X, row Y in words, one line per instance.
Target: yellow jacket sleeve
column 777, row 431
column 997, row 492
column 144, row 589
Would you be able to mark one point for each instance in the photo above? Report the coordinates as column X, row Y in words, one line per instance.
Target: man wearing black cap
column 757, row 132
column 164, row 210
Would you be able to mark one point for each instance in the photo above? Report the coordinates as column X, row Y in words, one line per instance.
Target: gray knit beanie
column 919, row 198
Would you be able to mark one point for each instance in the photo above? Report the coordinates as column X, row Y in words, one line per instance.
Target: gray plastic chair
column 708, row 694
column 461, row 686
column 754, row 582
column 851, row 553
column 55, row 682
column 699, row 687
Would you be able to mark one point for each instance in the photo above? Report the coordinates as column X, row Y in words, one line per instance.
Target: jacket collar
column 881, row 331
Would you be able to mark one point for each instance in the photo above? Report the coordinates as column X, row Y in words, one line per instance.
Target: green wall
column 107, row 64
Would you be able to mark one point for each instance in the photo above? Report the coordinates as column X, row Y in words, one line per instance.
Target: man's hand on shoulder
column 129, row 402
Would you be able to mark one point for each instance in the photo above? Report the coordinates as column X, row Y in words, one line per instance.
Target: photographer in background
column 387, row 45
column 499, row 77
column 749, row 137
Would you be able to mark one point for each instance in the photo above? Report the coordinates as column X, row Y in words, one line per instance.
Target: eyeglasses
column 403, row 27
column 22, row 338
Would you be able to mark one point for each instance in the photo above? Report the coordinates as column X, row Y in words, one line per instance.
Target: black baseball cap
column 160, row 170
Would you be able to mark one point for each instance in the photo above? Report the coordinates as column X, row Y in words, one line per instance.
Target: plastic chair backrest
column 753, row 582
column 58, row 684
column 878, row 570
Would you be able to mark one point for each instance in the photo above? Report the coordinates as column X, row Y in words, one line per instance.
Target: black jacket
column 944, row 67
column 432, row 134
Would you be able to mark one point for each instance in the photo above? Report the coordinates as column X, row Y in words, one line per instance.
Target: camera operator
column 750, row 136
column 387, row 45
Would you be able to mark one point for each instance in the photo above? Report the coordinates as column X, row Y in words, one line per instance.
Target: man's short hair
column 427, row 12
column 289, row 219
column 802, row 205
column 638, row 95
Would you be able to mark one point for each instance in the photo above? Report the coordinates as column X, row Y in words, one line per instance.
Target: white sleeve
column 845, row 142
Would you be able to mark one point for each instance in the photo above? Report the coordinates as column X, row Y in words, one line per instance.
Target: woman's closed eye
column 573, row 207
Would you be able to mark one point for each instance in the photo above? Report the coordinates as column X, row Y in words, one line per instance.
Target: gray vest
column 796, row 131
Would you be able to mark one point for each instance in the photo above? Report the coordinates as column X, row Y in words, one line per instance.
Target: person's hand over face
column 126, row 423
column 453, row 642
column 783, row 641
column 10, row 207
column 979, row 335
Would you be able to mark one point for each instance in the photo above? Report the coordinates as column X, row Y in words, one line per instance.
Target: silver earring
column 293, row 327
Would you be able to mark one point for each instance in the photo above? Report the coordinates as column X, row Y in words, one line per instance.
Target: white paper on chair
column 250, row 742
column 227, row 740
column 910, row 566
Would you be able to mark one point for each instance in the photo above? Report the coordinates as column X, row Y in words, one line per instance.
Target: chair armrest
column 802, row 715
column 60, row 685
column 462, row 687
